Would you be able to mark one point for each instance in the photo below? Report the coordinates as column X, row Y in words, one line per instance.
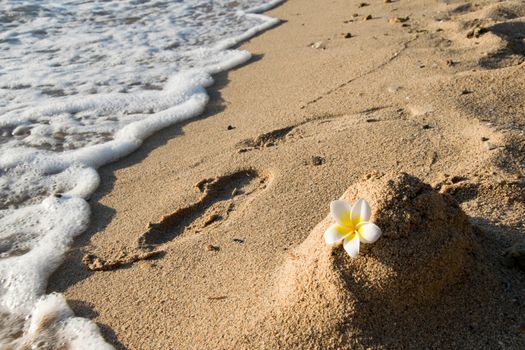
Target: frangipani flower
column 352, row 226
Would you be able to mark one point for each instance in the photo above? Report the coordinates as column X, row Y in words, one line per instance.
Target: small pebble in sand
column 230, row 127
column 483, row 138
column 317, row 160
column 466, row 92
column 363, row 4
column 451, row 63
column 427, row 126
column 388, row 1
column 355, row 15
column 367, row 17
column 238, row 240
column 372, row 120
column 346, row 35
column 212, row 248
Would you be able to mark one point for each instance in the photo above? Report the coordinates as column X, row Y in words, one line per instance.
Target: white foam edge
column 268, row 22
column 131, row 136
column 265, row 7
column 78, row 333
column 27, row 274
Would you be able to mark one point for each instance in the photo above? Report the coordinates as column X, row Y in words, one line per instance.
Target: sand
column 210, row 236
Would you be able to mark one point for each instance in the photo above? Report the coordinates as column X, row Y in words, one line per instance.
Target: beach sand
column 210, row 235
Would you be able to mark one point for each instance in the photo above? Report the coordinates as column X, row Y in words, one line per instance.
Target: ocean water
column 83, row 83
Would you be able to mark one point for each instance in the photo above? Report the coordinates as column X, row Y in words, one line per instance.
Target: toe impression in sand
column 351, row 226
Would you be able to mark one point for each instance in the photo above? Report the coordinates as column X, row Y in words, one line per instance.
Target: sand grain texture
column 438, row 95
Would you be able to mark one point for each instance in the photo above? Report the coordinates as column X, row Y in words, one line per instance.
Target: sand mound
column 426, row 244
column 425, row 261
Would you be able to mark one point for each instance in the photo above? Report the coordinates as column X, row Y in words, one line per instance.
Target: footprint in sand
column 219, row 197
column 299, row 131
column 268, row 139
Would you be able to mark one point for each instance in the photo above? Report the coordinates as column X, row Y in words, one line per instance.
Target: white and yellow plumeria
column 352, row 226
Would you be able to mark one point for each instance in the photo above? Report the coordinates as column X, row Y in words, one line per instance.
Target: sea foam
column 83, row 83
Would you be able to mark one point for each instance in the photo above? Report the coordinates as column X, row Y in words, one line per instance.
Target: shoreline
column 298, row 115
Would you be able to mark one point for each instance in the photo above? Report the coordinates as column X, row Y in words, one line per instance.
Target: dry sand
column 210, row 236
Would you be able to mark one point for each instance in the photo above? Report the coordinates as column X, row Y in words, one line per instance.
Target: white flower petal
column 351, row 245
column 340, row 211
column 361, row 211
column 335, row 233
column 368, row 232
